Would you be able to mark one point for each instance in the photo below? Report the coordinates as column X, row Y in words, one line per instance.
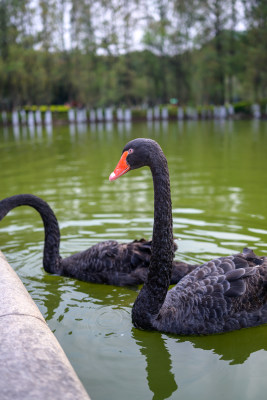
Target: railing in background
column 32, row 117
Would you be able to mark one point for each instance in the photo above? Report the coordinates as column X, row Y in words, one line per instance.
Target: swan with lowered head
column 221, row 295
column 107, row 262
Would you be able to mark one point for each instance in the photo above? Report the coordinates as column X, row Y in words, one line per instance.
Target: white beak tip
column 112, row 176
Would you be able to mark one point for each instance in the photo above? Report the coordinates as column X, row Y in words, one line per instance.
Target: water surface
column 219, row 193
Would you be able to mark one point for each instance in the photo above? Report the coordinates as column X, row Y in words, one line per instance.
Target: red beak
column 121, row 168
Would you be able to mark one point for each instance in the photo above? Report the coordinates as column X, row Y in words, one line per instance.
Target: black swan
column 221, row 295
column 107, row 262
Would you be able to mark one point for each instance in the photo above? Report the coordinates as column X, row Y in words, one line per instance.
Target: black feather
column 107, row 262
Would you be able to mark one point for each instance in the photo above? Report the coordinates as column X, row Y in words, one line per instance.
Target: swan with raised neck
column 224, row 294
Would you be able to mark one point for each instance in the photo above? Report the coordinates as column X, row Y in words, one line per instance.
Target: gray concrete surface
column 32, row 362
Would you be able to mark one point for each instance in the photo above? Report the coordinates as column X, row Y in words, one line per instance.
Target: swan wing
column 111, row 262
column 221, row 295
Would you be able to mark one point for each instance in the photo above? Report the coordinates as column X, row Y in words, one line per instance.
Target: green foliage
column 172, row 112
column 263, row 106
column 139, row 114
column 99, row 68
column 243, row 107
column 53, row 108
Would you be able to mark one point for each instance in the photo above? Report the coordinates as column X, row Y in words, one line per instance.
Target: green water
column 219, row 192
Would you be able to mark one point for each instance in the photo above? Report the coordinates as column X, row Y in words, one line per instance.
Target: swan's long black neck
column 153, row 293
column 51, row 259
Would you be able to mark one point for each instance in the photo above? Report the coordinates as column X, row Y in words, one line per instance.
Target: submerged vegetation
column 102, row 53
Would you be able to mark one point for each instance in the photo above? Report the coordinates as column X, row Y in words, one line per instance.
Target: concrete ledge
column 32, row 362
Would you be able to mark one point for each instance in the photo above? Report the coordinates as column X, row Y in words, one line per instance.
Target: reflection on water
column 234, row 347
column 160, row 378
column 218, row 177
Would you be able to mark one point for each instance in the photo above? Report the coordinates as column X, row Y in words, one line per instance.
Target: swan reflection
column 234, row 347
column 160, row 378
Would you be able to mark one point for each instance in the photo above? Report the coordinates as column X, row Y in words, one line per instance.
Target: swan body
column 107, row 262
column 221, row 295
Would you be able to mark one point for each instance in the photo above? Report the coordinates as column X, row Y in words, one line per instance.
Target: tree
column 87, row 51
column 15, row 32
column 256, row 19
column 213, row 17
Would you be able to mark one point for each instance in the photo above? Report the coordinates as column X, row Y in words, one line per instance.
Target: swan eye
column 130, row 151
